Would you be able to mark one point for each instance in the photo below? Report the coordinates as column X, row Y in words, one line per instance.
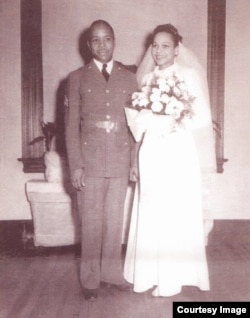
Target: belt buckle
column 109, row 125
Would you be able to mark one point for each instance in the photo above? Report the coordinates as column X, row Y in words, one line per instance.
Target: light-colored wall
column 63, row 22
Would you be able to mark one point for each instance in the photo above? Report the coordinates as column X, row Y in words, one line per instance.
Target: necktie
column 104, row 72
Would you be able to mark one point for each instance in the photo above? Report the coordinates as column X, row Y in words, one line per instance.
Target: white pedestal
column 54, row 212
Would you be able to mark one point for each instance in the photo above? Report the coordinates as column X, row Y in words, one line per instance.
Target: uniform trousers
column 101, row 207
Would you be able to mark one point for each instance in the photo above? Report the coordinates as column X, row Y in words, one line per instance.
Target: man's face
column 101, row 43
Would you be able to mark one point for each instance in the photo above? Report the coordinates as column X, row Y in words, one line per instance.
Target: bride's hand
column 134, row 174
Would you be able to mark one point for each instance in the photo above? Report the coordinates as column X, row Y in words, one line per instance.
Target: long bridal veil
column 203, row 135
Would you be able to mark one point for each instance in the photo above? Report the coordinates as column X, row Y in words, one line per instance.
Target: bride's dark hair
column 169, row 28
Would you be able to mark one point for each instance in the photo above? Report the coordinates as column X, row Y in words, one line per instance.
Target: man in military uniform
column 99, row 147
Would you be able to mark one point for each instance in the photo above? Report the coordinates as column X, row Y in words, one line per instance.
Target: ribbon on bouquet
column 138, row 121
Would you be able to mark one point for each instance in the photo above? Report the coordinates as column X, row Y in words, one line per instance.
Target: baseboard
column 17, row 237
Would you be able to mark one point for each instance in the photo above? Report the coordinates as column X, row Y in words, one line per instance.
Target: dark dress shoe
column 125, row 287
column 105, row 285
column 90, row 294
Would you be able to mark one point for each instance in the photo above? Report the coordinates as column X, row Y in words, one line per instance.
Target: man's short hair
column 97, row 23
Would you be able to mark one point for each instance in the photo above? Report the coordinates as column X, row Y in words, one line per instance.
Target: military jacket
column 97, row 136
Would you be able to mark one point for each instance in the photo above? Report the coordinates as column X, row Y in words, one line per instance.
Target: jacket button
column 107, row 117
column 107, row 91
column 107, row 104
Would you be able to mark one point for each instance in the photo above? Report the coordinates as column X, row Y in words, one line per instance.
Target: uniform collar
column 109, row 65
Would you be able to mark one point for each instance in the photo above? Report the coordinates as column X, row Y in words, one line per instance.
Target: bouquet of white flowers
column 165, row 96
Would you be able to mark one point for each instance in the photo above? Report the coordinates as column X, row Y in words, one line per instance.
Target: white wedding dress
column 166, row 244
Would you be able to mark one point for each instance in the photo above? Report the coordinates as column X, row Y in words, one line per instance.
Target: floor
column 44, row 282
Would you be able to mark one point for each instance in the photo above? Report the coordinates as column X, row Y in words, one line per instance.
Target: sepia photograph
column 124, row 176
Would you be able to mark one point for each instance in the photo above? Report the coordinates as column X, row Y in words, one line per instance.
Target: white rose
column 157, row 107
column 135, row 95
column 171, row 82
column 173, row 101
column 164, row 88
column 135, row 102
column 165, row 98
column 143, row 102
column 155, row 97
column 170, row 108
column 161, row 81
column 156, row 91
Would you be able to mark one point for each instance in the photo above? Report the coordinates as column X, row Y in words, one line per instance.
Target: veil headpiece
column 185, row 58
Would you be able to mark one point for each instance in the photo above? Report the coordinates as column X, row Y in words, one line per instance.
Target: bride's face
column 164, row 50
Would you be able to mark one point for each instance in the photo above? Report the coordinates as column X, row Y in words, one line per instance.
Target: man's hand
column 134, row 174
column 78, row 179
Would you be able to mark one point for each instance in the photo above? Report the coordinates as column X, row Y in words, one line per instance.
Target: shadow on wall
column 83, row 47
column 59, row 119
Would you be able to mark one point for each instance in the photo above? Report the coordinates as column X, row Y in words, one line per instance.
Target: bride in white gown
column 166, row 244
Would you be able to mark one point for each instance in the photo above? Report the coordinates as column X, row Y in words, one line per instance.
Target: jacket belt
column 110, row 125
column 107, row 125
